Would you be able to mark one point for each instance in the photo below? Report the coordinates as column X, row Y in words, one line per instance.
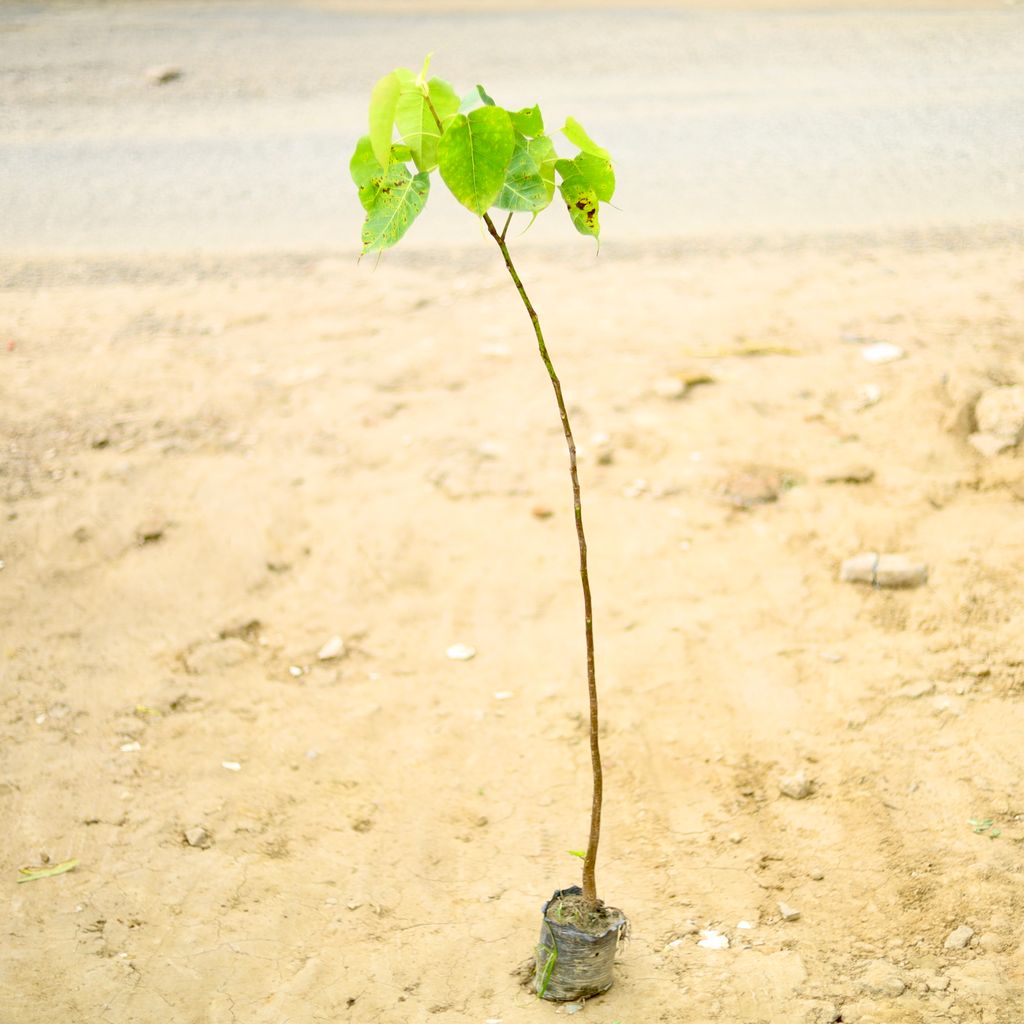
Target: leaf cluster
column 487, row 156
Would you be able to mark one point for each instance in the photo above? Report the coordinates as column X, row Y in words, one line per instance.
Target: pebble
column 161, row 74
column 788, row 913
column 959, row 938
column 670, row 387
column 334, row 648
column 131, row 748
column 857, row 474
column 461, row 652
column 711, row 939
column 150, row 531
column 881, row 979
column 1000, row 412
column 816, row 874
column 572, row 1007
column 915, row 691
column 198, row 837
column 894, row 571
column 504, row 695
column 882, row 352
column 757, row 485
column 867, row 396
column 796, row 786
column 217, row 655
column 232, row 766
column 937, row 983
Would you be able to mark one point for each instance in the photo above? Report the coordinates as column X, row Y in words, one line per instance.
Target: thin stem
column 590, row 861
column 504, row 230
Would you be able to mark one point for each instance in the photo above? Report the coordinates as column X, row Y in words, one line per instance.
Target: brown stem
column 590, row 861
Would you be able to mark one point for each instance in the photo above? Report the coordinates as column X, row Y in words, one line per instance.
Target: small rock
column 991, row 942
column 711, row 939
column 959, row 938
column 461, row 652
column 999, row 412
column 857, row 474
column 788, row 913
column 816, row 874
column 796, row 786
column 735, row 838
column 881, row 980
column 894, row 571
column 669, row 387
column 937, row 983
column 504, row 695
column 217, row 655
column 882, row 352
column 867, row 396
column 989, row 445
column 198, row 837
column 756, row 485
column 541, row 512
column 572, row 1007
column 131, row 748
column 232, row 766
column 161, row 74
column 150, row 531
column 334, row 648
column 914, row 691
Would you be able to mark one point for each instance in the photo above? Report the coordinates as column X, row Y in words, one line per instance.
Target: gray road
column 722, row 123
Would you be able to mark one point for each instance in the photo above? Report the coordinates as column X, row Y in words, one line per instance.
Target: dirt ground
column 210, row 470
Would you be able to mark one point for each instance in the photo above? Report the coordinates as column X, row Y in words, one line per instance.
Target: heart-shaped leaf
column 416, row 123
column 529, row 179
column 473, row 154
column 392, row 200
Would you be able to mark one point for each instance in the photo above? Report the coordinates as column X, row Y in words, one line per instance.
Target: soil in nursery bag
column 576, row 952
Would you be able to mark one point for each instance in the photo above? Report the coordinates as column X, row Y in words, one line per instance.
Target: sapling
column 496, row 159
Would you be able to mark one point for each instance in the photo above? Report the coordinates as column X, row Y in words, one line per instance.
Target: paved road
column 723, row 123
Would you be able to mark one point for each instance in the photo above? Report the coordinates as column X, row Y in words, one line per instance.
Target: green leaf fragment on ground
column 473, row 155
column 416, row 122
column 578, row 136
column 32, row 874
column 392, row 200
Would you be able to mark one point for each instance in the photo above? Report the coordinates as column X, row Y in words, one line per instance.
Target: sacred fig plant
column 496, row 159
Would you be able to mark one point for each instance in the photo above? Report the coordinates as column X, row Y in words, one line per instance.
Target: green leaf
column 364, row 165
column 577, row 135
column 586, row 182
column 32, row 874
column 542, row 149
column 392, row 200
column 526, row 189
column 416, row 122
column 582, row 854
column 400, row 154
column 592, row 171
column 383, row 101
column 476, row 97
column 528, row 121
column 473, row 154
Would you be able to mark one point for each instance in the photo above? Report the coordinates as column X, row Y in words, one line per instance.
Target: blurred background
column 226, row 127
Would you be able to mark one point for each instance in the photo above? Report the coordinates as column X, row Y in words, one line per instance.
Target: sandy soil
column 209, row 471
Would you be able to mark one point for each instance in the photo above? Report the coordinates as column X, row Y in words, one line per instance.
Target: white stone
column 788, row 913
column 161, row 74
column 197, row 837
column 881, row 980
column 711, row 939
column 334, row 648
column 882, row 352
column 959, row 938
column 670, row 387
column 1000, row 412
column 461, row 652
column 232, row 766
column 893, row 571
column 796, row 786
